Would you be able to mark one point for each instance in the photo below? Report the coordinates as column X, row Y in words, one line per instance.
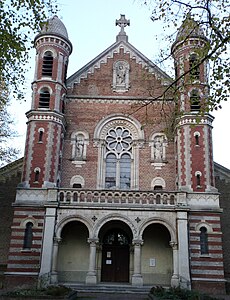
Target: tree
column 214, row 18
column 19, row 21
column 7, row 153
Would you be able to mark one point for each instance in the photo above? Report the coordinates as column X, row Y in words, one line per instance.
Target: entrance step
column 111, row 288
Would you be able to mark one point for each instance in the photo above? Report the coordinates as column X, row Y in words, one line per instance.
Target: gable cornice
column 109, row 53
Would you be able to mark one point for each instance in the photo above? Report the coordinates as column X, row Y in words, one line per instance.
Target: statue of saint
column 121, row 71
column 158, row 149
column 79, row 146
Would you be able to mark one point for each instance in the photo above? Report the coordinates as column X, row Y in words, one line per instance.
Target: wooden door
column 115, row 263
column 115, row 257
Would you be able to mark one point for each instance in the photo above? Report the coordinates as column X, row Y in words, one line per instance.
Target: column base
column 175, row 281
column 137, row 280
column 91, row 279
column 54, row 277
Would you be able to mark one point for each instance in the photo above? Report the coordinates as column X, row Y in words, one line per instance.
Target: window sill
column 26, row 250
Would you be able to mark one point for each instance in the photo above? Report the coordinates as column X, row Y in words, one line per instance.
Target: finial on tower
column 122, row 22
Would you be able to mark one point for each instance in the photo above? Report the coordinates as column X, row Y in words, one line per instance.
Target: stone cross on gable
column 122, row 22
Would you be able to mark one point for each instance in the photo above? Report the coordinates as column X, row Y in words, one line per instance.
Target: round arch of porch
column 157, row 266
column 116, row 261
column 164, row 223
column 73, row 250
column 114, row 217
column 75, row 218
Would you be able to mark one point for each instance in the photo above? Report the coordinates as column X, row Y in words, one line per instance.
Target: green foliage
column 214, row 19
column 54, row 291
column 178, row 294
column 19, row 21
column 59, row 290
column 7, row 153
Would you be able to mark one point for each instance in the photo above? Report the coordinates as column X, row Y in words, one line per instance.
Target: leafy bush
column 178, row 294
column 58, row 290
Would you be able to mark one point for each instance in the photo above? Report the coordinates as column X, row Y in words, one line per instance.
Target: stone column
column 47, row 250
column 175, row 276
column 91, row 277
column 137, row 279
column 54, row 274
column 183, row 252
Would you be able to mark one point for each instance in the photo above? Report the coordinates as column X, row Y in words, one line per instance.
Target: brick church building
column 108, row 193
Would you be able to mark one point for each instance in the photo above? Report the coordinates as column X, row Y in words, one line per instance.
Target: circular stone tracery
column 119, row 139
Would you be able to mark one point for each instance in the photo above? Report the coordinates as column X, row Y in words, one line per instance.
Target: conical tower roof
column 54, row 26
column 189, row 28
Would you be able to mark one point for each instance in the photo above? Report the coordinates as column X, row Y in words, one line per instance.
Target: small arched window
column 36, row 174
column 195, row 100
column 197, row 139
column 28, row 236
column 44, row 99
column 203, row 240
column 47, row 65
column 198, row 176
column 158, row 188
column 40, row 135
column 194, row 68
column 77, row 186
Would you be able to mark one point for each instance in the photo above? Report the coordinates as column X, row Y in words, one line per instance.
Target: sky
column 91, row 29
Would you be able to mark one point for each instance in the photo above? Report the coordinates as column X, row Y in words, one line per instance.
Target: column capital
column 57, row 240
column 93, row 241
column 174, row 245
column 138, row 242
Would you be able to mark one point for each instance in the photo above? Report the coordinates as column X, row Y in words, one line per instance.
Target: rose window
column 119, row 139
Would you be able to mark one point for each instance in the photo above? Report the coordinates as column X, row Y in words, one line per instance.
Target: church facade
column 109, row 193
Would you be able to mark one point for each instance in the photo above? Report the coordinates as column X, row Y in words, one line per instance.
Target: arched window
column 36, row 174
column 203, row 240
column 198, row 179
column 28, row 236
column 40, row 136
column 77, row 186
column 118, row 138
column 118, row 158
column 197, row 139
column 44, row 99
column 195, row 100
column 158, row 188
column 194, row 69
column 47, row 65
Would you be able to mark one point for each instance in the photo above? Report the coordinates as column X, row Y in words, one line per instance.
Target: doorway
column 115, row 256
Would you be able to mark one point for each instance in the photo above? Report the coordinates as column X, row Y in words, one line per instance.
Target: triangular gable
column 109, row 53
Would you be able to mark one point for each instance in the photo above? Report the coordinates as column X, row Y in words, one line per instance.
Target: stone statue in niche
column 121, row 76
column 158, row 148
column 79, row 147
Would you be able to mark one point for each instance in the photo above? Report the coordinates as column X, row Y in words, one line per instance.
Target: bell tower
column 46, row 123
column 194, row 130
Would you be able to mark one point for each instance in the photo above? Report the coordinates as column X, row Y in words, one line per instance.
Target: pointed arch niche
column 118, row 139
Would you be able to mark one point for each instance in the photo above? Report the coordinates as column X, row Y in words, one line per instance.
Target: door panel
column 115, row 263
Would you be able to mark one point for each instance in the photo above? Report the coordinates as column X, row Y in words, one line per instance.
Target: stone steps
column 111, row 288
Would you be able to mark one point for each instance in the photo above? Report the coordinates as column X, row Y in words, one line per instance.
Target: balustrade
column 73, row 196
